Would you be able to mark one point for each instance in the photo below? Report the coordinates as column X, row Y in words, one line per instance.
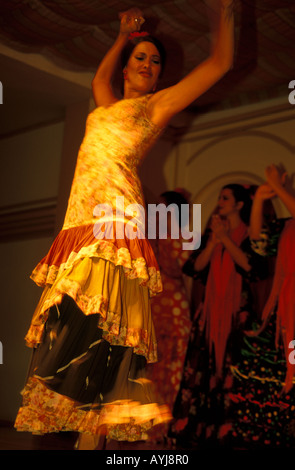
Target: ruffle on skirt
column 99, row 287
column 74, row 244
column 112, row 278
column 79, row 382
column 45, row 411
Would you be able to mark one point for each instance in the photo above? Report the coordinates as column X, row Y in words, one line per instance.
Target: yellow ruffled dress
column 92, row 331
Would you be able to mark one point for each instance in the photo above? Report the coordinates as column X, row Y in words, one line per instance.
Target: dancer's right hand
column 131, row 20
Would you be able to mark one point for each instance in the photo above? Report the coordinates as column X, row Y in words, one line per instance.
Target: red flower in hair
column 137, row 34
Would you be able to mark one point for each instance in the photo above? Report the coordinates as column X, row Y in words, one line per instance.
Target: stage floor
column 10, row 439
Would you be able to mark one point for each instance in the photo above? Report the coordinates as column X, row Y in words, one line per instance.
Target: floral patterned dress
column 171, row 315
column 263, row 410
column 92, row 331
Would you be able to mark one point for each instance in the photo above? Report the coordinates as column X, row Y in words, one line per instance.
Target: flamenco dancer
column 92, row 331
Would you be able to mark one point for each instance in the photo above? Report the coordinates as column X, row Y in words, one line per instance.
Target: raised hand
column 274, row 176
column 218, row 227
column 131, row 20
column 265, row 191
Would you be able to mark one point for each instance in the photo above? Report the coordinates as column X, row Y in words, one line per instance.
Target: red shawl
column 283, row 296
column 222, row 297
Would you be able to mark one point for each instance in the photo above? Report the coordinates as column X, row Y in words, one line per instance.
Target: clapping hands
column 274, row 179
column 274, row 176
column 219, row 228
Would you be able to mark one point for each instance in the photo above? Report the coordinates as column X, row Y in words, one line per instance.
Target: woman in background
column 171, row 309
column 263, row 393
column 225, row 266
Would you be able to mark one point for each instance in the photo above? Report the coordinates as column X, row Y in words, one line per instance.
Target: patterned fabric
column 171, row 316
column 45, row 411
column 222, row 299
column 263, row 393
column 116, row 140
column 92, row 331
column 77, row 370
column 263, row 416
column 201, row 411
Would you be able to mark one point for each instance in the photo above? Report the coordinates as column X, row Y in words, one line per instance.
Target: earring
column 124, row 74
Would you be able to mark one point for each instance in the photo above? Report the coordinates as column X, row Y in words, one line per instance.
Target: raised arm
column 204, row 258
column 166, row 103
column 276, row 181
column 102, row 82
column 273, row 187
column 262, row 193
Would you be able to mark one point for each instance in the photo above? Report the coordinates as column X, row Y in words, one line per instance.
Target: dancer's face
column 143, row 68
column 227, row 204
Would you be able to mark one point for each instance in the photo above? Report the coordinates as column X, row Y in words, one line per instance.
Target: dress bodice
column 116, row 140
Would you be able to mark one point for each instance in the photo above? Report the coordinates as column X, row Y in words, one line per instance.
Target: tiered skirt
column 92, row 334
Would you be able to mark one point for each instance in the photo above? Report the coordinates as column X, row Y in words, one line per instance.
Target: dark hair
column 127, row 51
column 173, row 197
column 241, row 194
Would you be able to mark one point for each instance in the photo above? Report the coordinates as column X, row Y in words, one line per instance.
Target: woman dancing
column 92, row 331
